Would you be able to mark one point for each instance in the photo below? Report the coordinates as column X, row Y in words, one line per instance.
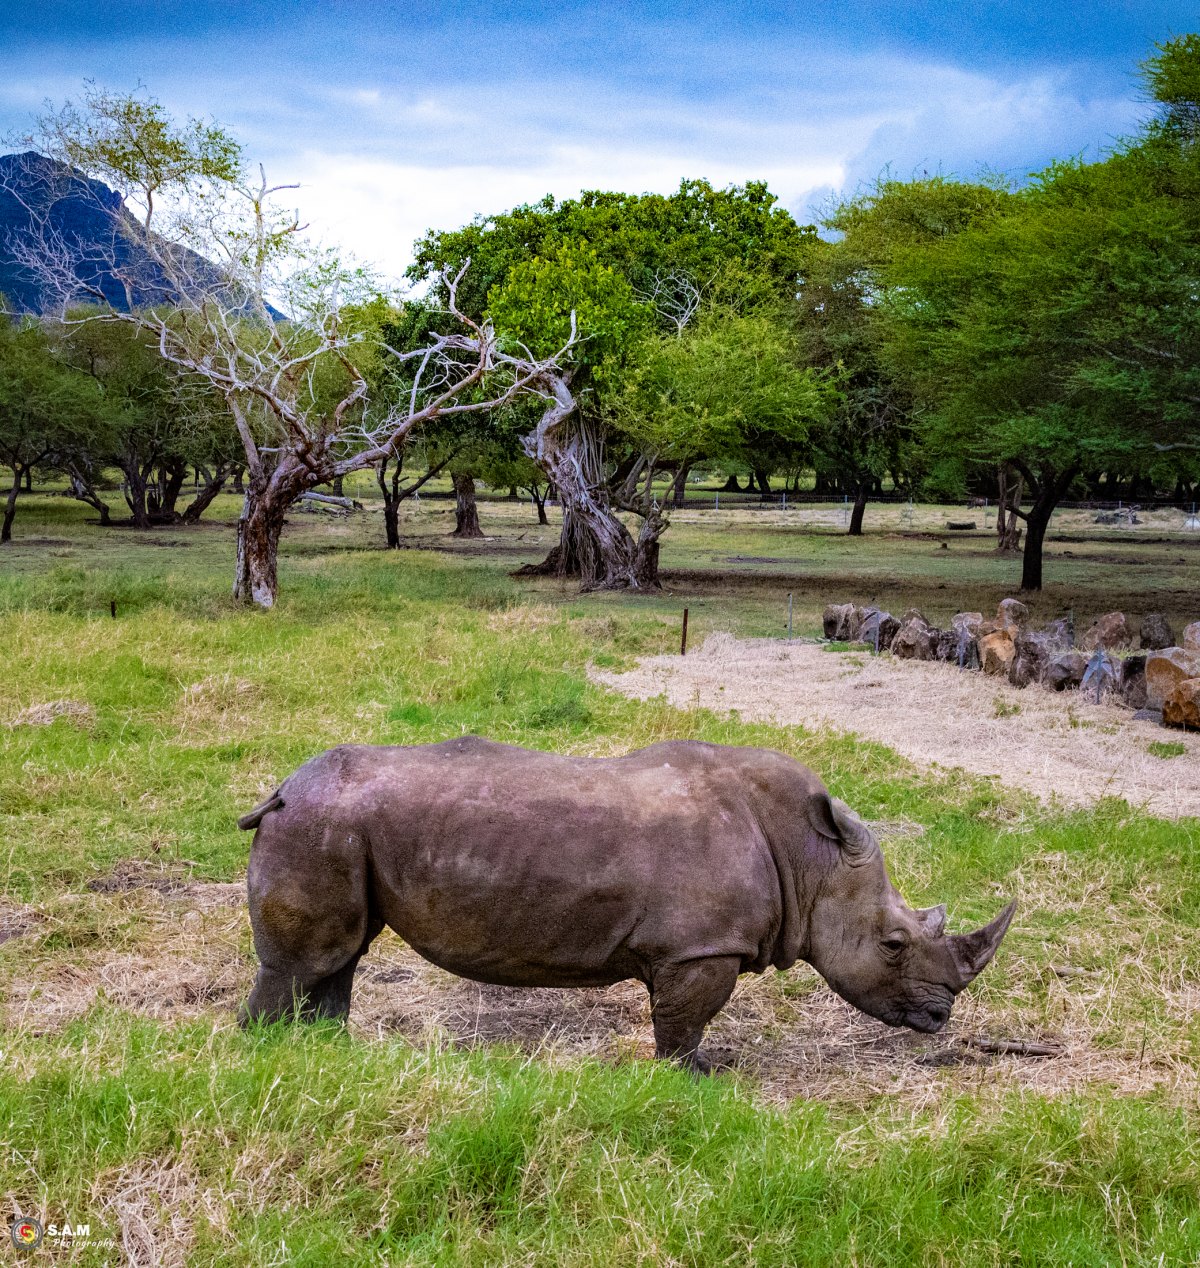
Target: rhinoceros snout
column 929, row 1020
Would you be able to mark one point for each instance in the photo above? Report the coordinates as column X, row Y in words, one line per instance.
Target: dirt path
column 1059, row 747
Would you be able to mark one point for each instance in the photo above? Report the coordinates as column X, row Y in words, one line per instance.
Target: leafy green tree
column 627, row 267
column 867, row 433
column 1054, row 329
column 44, row 407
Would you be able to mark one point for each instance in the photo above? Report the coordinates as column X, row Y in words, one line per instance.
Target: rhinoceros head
column 893, row 962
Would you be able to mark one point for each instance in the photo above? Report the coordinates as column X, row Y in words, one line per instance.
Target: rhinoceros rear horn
column 973, row 951
column 834, row 819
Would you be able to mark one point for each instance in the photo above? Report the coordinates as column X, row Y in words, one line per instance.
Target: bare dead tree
column 232, row 293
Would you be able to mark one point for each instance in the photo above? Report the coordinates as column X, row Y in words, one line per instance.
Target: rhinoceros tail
column 260, row 812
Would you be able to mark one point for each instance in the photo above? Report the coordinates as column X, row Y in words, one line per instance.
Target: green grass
column 314, row 1146
column 1166, row 748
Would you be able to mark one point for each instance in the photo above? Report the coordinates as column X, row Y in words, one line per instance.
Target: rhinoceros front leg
column 684, row 998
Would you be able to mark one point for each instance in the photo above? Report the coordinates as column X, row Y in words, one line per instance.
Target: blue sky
column 397, row 117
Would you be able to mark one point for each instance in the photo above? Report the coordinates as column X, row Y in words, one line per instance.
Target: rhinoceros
column 681, row 865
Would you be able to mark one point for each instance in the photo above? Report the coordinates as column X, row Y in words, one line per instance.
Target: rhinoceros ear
column 933, row 920
column 834, row 819
column 973, row 951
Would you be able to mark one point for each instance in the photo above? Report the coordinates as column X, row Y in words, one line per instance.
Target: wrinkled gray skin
column 681, row 865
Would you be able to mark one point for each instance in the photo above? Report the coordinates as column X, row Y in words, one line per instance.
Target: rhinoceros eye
column 895, row 944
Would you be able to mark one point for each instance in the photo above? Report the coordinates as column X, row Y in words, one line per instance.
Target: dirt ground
column 1058, row 746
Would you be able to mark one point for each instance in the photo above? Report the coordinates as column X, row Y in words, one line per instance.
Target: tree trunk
column 336, row 486
column 679, row 486
column 595, row 543
column 539, row 501
column 10, row 506
column 135, row 491
column 1035, row 536
column 171, row 478
column 259, row 526
column 28, row 479
column 763, row 480
column 204, row 499
column 861, row 493
column 1048, row 492
column 466, row 510
column 82, row 488
column 731, row 485
column 1011, row 488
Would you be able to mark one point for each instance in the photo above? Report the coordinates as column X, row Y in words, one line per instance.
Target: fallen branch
column 347, row 504
column 1010, row 1047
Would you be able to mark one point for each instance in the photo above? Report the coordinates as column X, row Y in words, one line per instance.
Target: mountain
column 91, row 223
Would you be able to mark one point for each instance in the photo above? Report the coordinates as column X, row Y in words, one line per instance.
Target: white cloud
column 384, row 154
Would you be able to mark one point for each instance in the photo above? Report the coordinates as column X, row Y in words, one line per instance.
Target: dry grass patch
column 82, row 715
column 1061, row 747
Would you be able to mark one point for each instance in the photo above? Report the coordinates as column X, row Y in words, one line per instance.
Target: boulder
column 1155, row 633
column 996, row 653
column 1059, row 634
column 1182, row 705
column 1133, row 681
column 1011, row 614
column 1166, row 668
column 947, row 647
column 1191, row 637
column 969, row 621
column 966, row 628
column 1109, row 632
column 835, row 620
column 1034, row 648
column 913, row 614
column 878, row 629
column 1103, row 674
column 915, row 640
column 1065, row 671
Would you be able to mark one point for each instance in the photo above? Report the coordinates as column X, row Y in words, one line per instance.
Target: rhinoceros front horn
column 973, row 951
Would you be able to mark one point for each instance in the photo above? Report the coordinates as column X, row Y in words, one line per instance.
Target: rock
column 913, row 614
column 915, row 640
column 1103, row 673
column 1182, row 705
column 855, row 623
column 878, row 630
column 835, row 619
column 966, row 628
column 1133, row 681
column 1059, row 634
column 947, row 646
column 1065, row 670
column 1011, row 614
column 969, row 621
column 1034, row 648
column 1166, row 668
column 996, row 653
column 1191, row 637
column 1110, row 632
column 1155, row 633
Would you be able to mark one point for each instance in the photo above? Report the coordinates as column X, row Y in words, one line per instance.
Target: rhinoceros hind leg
column 684, row 998
column 280, row 995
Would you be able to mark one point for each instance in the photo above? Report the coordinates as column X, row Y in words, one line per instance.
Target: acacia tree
column 231, row 292
column 861, row 437
column 44, row 407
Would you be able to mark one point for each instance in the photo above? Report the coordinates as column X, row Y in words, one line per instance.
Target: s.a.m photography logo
column 26, row 1233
